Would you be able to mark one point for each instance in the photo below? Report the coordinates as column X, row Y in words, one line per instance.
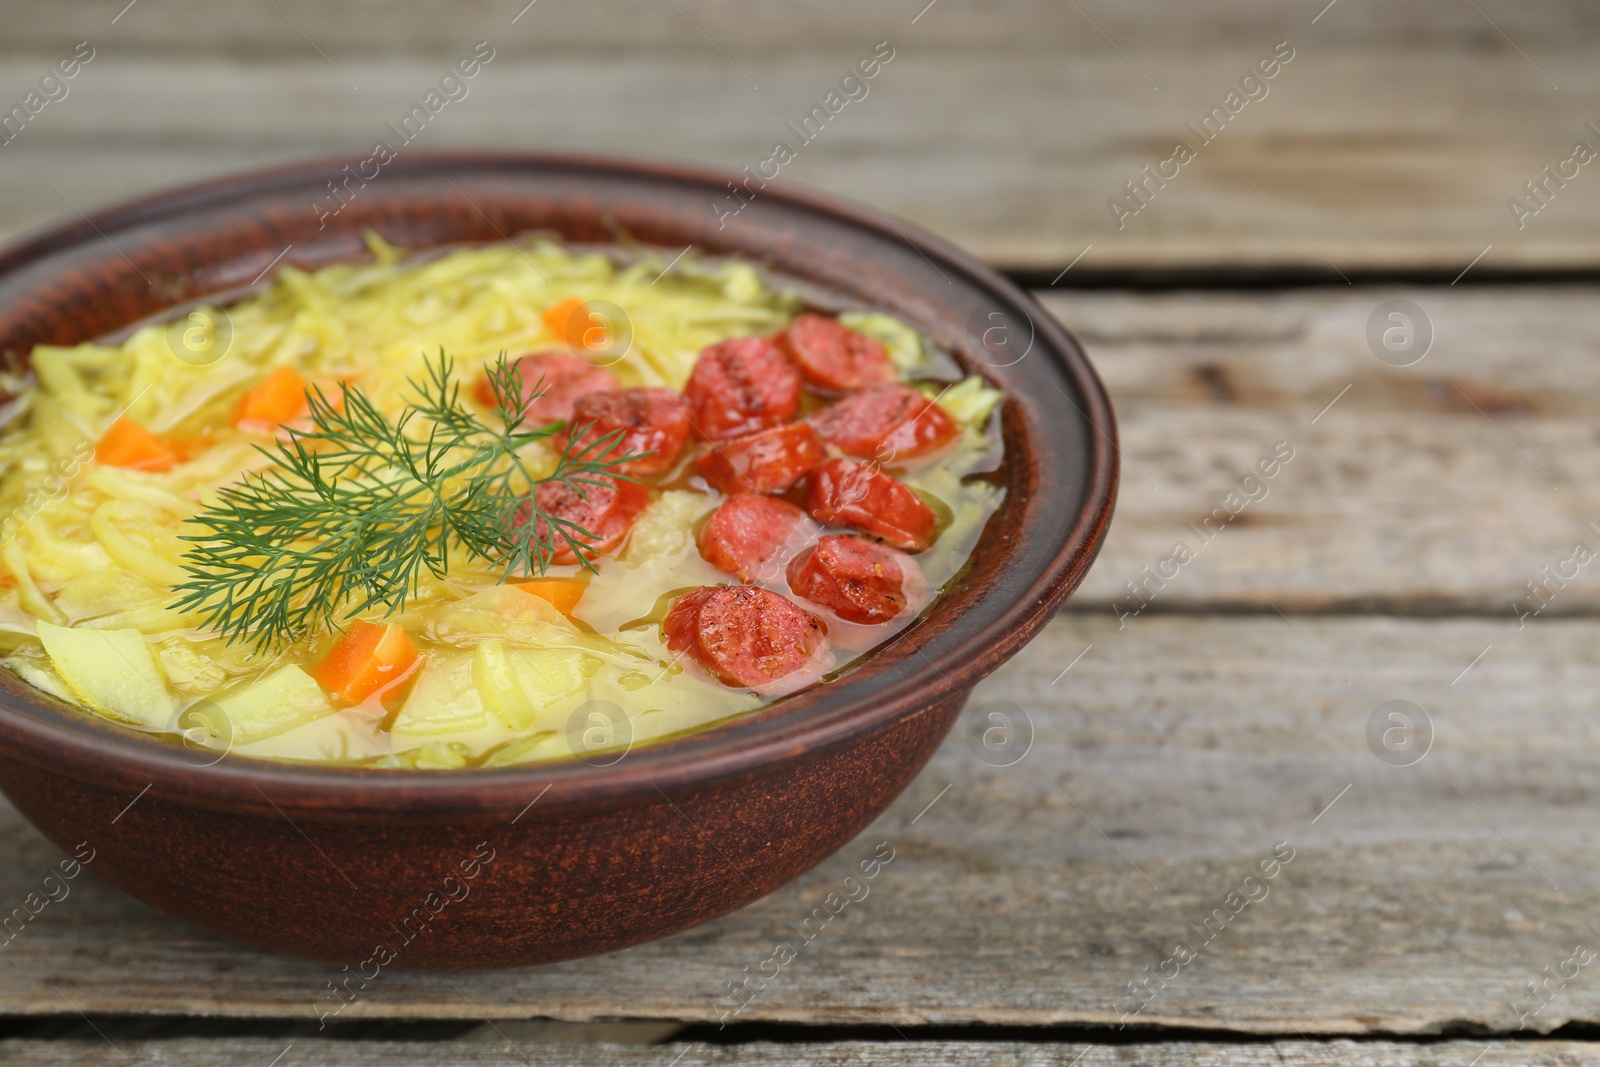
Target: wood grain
column 1189, row 748
column 607, row 27
column 1441, row 487
column 303, row 1053
column 1384, row 155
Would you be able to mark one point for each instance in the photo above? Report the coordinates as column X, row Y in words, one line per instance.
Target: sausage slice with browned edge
column 747, row 636
column 649, row 420
column 887, row 423
column 559, row 378
column 770, row 461
column 753, row 537
column 740, row 386
column 605, row 511
column 833, row 357
column 859, row 580
column 843, row 492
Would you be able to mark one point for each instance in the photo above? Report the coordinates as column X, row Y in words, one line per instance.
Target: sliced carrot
column 563, row 593
column 367, row 658
column 558, row 316
column 127, row 444
column 483, row 392
column 278, row 398
column 570, row 320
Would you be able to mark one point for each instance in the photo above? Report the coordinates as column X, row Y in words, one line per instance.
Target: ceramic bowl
column 492, row 868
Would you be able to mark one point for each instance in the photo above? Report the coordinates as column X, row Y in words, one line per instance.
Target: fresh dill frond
column 354, row 512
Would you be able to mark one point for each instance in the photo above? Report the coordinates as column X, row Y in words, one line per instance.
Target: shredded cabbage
column 971, row 401
column 903, row 344
column 89, row 553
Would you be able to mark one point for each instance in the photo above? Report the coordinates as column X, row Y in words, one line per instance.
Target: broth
column 111, row 451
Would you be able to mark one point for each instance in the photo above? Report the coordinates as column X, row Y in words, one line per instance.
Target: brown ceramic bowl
column 331, row 863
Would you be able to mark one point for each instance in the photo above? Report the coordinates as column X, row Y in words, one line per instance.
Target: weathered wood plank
column 1443, row 486
column 605, row 27
column 1195, row 745
column 303, row 1053
column 1361, row 157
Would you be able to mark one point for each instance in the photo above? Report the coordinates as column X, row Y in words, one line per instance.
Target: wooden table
column 1031, row 912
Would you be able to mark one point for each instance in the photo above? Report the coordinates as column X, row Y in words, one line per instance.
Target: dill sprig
column 355, row 511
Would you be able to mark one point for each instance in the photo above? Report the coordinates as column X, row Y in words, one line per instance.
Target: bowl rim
column 719, row 753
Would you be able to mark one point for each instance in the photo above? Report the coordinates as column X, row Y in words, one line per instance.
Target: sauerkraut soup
column 493, row 506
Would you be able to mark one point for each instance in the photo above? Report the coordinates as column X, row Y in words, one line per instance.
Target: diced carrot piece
column 127, row 444
column 558, row 316
column 278, row 398
column 363, row 661
column 582, row 334
column 483, row 392
column 563, row 593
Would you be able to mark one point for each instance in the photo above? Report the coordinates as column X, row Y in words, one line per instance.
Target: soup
column 493, row 506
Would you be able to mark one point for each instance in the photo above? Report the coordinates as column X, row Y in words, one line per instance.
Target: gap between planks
column 894, row 1053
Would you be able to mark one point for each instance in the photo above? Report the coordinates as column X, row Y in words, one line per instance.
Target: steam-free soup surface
column 801, row 485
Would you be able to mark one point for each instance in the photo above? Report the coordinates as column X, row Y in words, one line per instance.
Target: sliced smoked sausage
column 740, row 386
column 646, row 420
column 752, row 537
column 887, row 423
column 843, row 492
column 769, row 461
column 833, row 357
column 598, row 519
column 747, row 636
column 859, row 580
column 559, row 378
